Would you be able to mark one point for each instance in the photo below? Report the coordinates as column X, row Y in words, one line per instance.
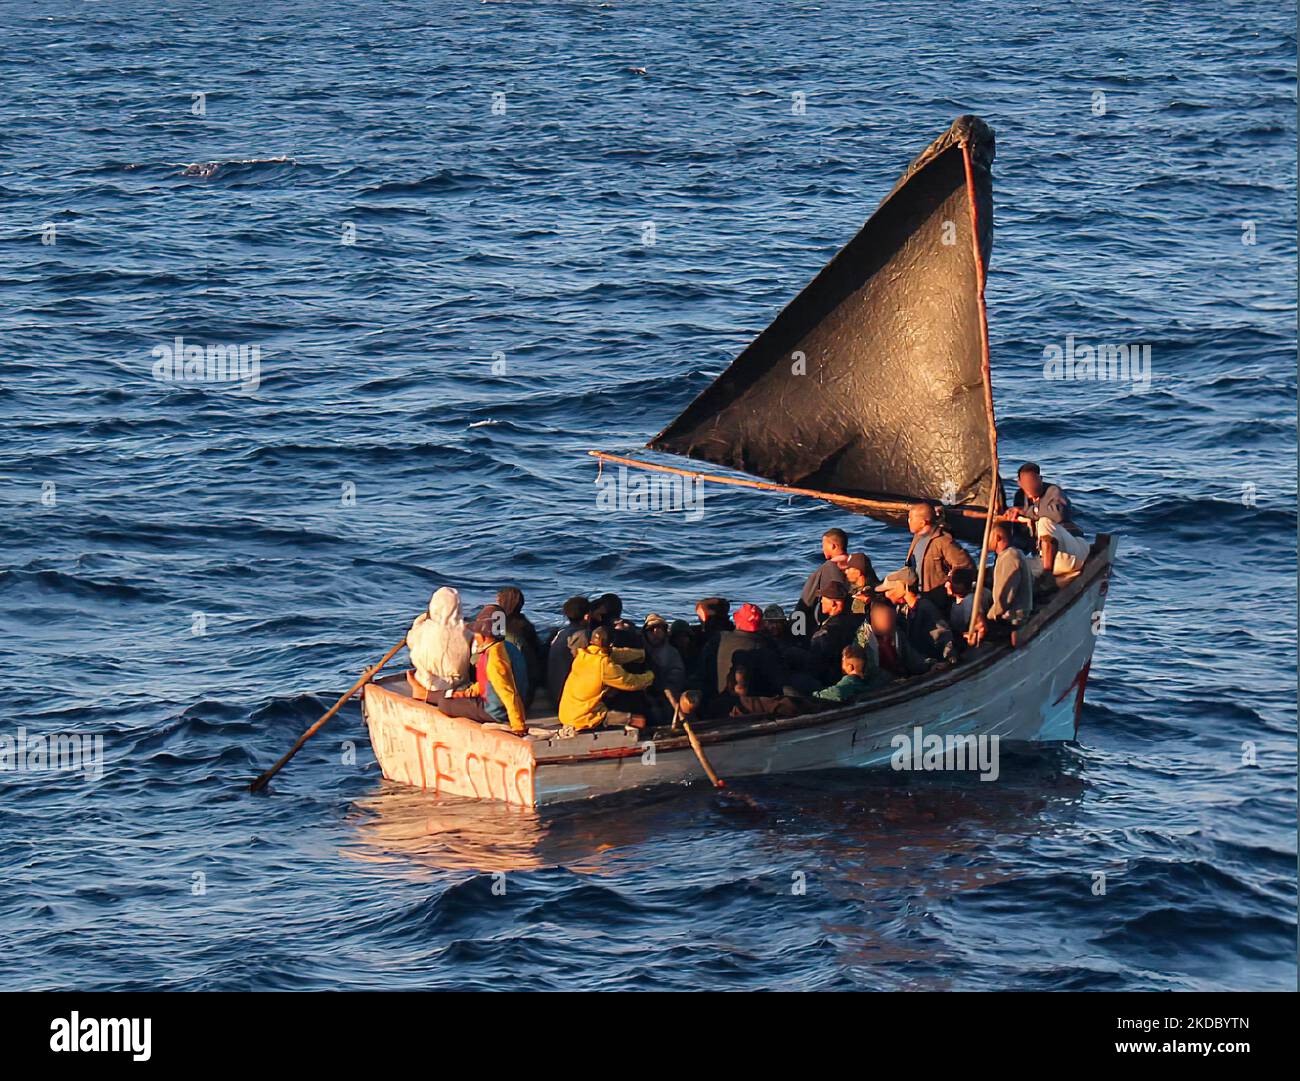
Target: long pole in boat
column 714, row 779
column 366, row 677
column 984, row 554
column 995, row 483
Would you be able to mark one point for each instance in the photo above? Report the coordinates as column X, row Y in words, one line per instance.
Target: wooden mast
column 994, row 481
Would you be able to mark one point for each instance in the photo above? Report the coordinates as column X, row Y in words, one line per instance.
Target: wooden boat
column 899, row 311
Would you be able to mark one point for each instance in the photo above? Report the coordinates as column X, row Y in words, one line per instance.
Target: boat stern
column 417, row 744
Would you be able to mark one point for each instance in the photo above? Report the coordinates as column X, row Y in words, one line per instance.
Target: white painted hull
column 1032, row 693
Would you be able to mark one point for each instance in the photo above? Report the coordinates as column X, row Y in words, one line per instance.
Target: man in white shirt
column 1046, row 512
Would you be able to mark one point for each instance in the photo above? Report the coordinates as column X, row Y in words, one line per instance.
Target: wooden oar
column 677, row 709
column 718, row 782
column 366, row 677
column 690, row 735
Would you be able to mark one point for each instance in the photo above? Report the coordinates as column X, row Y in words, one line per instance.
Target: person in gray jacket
column 1013, row 590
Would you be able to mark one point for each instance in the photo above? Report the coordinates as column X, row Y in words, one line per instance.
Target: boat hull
column 1032, row 693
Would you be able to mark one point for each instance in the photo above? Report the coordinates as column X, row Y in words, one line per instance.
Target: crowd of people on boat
column 851, row 634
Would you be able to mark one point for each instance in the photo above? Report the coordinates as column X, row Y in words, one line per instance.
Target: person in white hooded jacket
column 439, row 644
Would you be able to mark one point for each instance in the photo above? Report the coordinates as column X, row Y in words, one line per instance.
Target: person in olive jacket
column 934, row 554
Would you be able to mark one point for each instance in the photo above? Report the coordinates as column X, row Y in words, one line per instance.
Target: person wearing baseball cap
column 749, row 649
column 862, row 579
column 925, row 628
column 839, row 627
column 500, row 685
column 665, row 662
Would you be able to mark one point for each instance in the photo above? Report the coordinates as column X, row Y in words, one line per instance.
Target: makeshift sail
column 872, row 386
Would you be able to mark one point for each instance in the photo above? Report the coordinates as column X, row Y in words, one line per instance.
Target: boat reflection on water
column 860, row 830
column 455, row 833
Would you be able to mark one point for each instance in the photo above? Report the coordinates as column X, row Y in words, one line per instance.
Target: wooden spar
column 857, row 503
column 366, row 677
column 714, row 779
column 987, row 369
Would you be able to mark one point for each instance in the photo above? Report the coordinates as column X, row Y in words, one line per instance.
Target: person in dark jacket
column 894, row 652
column 605, row 611
column 714, row 615
column 747, row 704
column 748, row 647
column 961, row 588
column 793, row 651
column 862, row 580
column 667, row 665
column 520, row 631
column 835, row 552
column 926, row 630
column 682, row 640
column 570, row 638
column 933, row 554
column 838, row 628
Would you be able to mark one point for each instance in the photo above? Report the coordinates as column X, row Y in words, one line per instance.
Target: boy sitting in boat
column 857, row 684
column 598, row 669
column 961, row 588
column 500, row 678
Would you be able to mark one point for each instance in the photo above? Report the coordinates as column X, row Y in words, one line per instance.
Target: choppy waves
column 455, row 296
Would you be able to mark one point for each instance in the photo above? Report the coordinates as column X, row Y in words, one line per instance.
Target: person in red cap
column 747, row 647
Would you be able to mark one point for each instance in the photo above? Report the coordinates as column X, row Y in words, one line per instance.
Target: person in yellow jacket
column 500, row 686
column 598, row 668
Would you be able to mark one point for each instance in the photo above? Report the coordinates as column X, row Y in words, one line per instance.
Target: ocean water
column 193, row 573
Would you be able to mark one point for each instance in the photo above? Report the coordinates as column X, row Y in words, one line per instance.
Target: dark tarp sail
column 872, row 383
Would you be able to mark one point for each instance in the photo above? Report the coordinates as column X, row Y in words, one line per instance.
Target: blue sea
column 471, row 241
